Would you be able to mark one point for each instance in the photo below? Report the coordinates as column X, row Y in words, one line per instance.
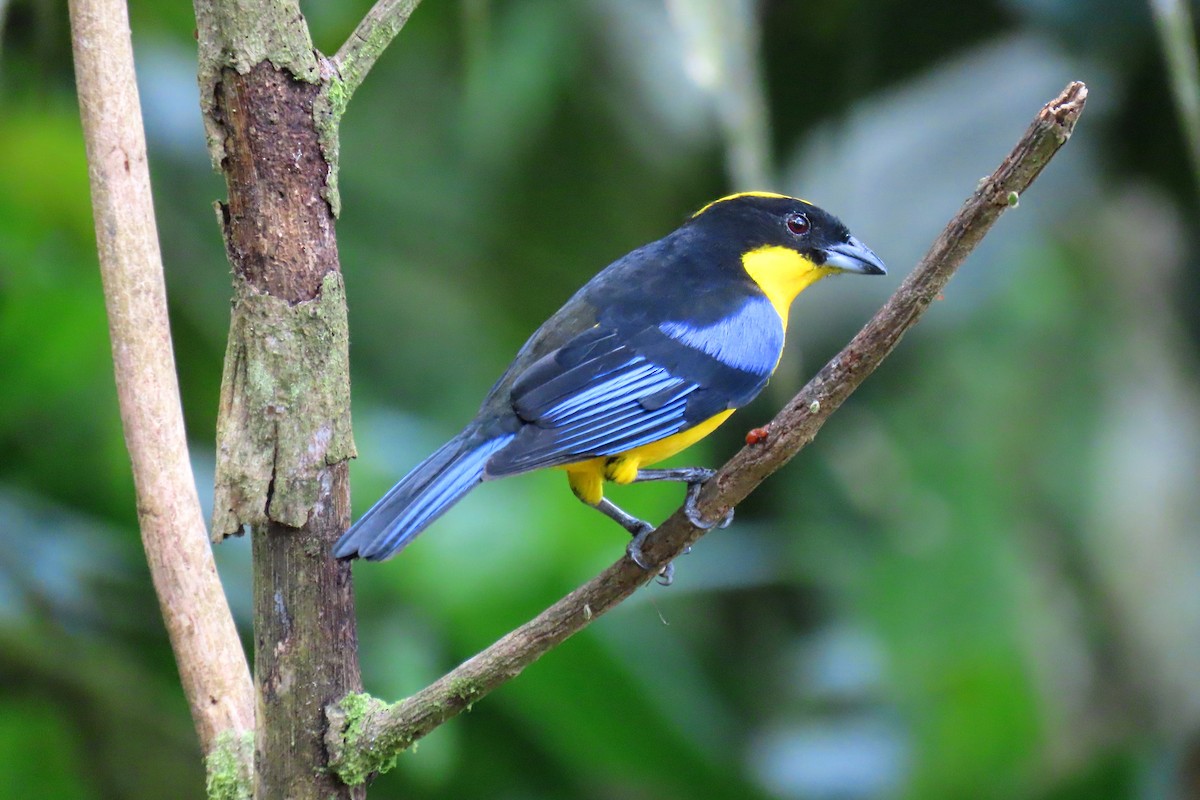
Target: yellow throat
column 782, row 273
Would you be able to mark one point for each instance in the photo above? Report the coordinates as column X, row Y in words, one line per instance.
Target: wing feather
column 602, row 415
column 607, row 391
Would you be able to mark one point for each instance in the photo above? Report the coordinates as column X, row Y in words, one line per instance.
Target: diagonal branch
column 365, row 735
column 366, row 44
column 212, row 665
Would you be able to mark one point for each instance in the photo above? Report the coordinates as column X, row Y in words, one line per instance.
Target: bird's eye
column 798, row 224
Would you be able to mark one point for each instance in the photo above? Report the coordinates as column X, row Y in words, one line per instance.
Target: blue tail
column 420, row 497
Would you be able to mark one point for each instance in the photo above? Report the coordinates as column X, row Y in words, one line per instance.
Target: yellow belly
column 587, row 477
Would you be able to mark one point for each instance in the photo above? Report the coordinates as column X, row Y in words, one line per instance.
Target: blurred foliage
column 983, row 580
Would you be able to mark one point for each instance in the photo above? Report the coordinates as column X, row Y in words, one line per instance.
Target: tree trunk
column 284, row 427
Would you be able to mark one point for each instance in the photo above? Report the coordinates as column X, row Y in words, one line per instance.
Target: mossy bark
column 285, row 403
column 284, row 425
column 228, row 767
column 354, row 758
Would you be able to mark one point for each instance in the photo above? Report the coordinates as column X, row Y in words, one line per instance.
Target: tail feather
column 420, row 497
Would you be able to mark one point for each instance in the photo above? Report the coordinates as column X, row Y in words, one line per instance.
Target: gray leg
column 635, row 526
column 639, row 530
column 683, row 474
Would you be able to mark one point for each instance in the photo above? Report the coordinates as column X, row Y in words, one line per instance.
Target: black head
column 759, row 219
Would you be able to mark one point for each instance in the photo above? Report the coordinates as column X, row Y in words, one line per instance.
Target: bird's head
column 785, row 244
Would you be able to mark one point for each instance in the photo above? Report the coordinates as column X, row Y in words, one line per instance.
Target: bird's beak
column 854, row 256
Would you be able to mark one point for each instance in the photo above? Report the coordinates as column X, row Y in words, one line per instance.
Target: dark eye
column 798, row 224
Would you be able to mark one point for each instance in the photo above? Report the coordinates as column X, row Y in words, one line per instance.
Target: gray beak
column 854, row 256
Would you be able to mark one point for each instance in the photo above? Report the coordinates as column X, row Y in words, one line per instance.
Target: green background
column 982, row 580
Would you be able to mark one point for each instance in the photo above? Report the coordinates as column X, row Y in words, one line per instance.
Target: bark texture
column 285, row 396
column 306, row 647
column 212, row 665
column 284, row 424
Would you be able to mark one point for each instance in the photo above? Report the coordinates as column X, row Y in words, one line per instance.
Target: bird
column 649, row 357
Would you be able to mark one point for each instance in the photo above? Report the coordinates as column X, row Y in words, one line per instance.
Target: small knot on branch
column 1066, row 108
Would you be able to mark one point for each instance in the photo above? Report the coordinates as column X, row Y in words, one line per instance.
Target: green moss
column 352, row 754
column 285, row 406
column 328, row 108
column 466, row 690
column 229, row 766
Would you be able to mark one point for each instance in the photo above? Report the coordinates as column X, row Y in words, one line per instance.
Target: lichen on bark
column 353, row 759
column 228, row 767
column 285, row 406
column 328, row 107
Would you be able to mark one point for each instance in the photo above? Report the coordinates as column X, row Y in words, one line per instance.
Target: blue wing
column 604, row 406
column 607, row 391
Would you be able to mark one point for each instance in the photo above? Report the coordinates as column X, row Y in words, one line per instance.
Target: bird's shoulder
column 686, row 274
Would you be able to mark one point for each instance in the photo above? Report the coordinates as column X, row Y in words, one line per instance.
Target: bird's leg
column 639, row 530
column 694, row 477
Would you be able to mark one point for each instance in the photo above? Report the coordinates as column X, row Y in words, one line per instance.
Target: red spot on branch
column 757, row 435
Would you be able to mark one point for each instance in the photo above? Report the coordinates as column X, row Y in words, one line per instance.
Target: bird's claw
column 666, row 575
column 693, row 514
column 634, row 548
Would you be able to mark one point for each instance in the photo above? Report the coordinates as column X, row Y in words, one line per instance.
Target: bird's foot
column 695, row 478
column 639, row 530
column 666, row 575
column 693, row 513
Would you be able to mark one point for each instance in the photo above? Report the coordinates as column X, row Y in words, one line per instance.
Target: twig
column 212, row 665
column 366, row 44
column 365, row 735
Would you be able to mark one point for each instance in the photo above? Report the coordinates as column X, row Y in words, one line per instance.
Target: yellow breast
column 587, row 477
